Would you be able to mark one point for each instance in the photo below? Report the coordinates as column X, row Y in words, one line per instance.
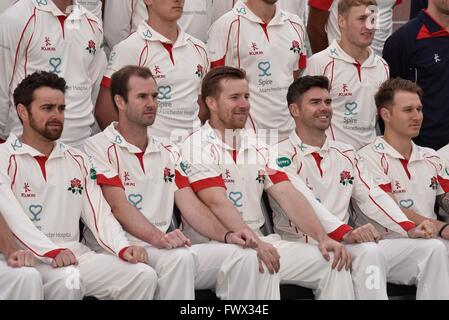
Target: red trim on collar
column 169, row 48
column 425, row 33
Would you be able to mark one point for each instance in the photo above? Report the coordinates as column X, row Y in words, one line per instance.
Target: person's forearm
column 201, row 218
column 298, row 209
column 134, row 222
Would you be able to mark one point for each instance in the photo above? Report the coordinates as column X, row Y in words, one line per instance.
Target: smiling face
column 313, row 110
column 230, row 109
column 404, row 117
column 45, row 115
column 356, row 27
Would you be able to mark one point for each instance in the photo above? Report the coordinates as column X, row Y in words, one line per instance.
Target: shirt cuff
column 113, row 182
column 53, row 253
column 181, row 181
column 386, row 187
column 407, row 225
column 278, row 177
column 208, row 183
column 106, row 82
column 122, row 252
column 338, row 234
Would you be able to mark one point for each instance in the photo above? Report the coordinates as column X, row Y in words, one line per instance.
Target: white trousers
column 422, row 262
column 19, row 283
column 230, row 271
column 103, row 276
column 303, row 264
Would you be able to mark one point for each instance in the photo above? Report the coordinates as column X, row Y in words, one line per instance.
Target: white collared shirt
column 353, row 87
column 34, row 36
column 150, row 178
column 209, row 162
column 269, row 53
column 56, row 192
column 334, row 176
column 384, row 21
column 415, row 183
column 178, row 72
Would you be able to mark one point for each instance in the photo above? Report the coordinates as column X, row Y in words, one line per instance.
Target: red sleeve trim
column 398, row 2
column 208, row 183
column 302, row 62
column 338, row 234
column 386, row 187
column 122, row 252
column 278, row 177
column 53, row 253
column 323, row 5
column 106, row 82
column 181, row 181
column 113, row 182
column 2, row 141
column 218, row 63
column 407, row 225
column 444, row 183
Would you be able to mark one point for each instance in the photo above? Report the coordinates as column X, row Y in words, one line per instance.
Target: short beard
column 46, row 133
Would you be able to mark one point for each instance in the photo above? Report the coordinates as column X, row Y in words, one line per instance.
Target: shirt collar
column 154, row 145
column 16, row 147
column 381, row 146
column 430, row 28
column 242, row 10
column 149, row 34
column 49, row 6
column 336, row 52
column 305, row 149
column 212, row 136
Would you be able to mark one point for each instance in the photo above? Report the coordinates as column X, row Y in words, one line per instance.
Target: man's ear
column 211, row 103
column 294, row 109
column 22, row 111
column 385, row 114
column 120, row 102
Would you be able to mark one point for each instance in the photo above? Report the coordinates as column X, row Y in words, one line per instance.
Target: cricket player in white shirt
column 56, row 187
column 324, row 164
column 269, row 44
column 40, row 35
column 416, row 177
column 178, row 62
column 141, row 179
column 323, row 27
column 355, row 73
column 230, row 173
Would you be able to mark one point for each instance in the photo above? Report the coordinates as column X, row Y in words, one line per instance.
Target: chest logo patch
column 346, row 178
column 135, row 200
column 434, row 183
column 236, row 198
column 91, row 47
column 408, row 203
column 35, row 210
column 295, row 47
column 283, row 162
column 75, row 186
column 350, row 108
column 168, row 176
column 55, row 63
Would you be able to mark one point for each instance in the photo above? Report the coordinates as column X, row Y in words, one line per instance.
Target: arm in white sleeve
column 23, row 229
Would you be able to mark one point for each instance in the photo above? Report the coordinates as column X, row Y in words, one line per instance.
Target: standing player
column 418, row 51
column 355, row 72
column 142, row 184
column 414, row 176
column 38, row 35
column 56, row 187
column 269, row 44
column 177, row 61
column 323, row 27
column 229, row 170
column 324, row 164
column 124, row 17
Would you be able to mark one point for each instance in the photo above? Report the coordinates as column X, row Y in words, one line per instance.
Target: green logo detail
column 283, row 162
